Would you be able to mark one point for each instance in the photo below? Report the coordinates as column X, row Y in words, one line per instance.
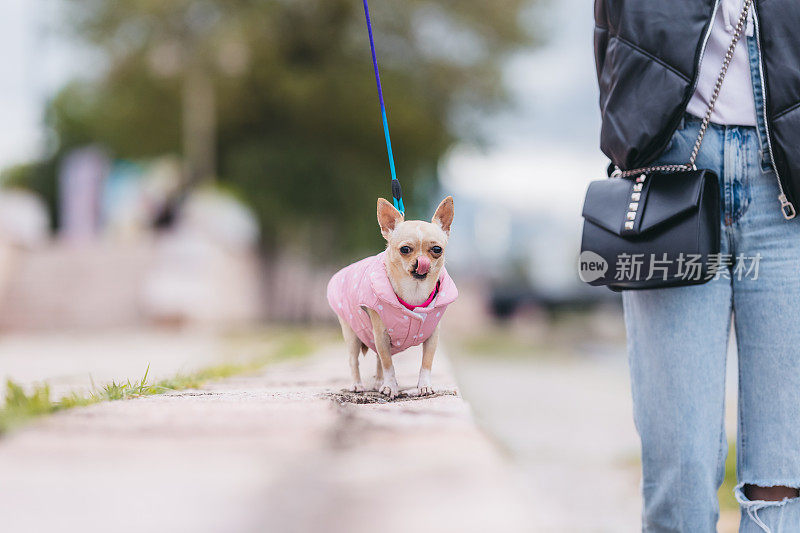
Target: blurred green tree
column 277, row 99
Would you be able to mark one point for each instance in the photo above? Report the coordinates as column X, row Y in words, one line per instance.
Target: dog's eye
column 436, row 249
column 405, row 250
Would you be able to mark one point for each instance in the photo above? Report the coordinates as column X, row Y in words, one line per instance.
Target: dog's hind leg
column 353, row 346
column 378, row 372
column 383, row 346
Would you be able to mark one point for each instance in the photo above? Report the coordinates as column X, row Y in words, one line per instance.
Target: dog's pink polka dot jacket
column 366, row 284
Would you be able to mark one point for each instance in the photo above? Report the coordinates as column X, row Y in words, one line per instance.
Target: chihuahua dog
column 395, row 300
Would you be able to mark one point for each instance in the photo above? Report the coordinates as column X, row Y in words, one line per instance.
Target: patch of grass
column 726, row 498
column 494, row 344
column 506, row 342
column 20, row 407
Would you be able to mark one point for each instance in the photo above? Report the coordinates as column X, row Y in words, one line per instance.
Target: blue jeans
column 677, row 346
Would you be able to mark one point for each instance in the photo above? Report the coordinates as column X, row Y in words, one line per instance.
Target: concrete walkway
column 567, row 422
column 282, row 451
column 71, row 361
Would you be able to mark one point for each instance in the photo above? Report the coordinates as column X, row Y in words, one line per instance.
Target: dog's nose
column 423, row 264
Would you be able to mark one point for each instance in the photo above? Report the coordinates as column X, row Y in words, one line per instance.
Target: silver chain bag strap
column 737, row 34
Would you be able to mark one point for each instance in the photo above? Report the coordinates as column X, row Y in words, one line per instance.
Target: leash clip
column 397, row 196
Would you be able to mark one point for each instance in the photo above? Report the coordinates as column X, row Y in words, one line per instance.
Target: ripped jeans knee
column 768, row 516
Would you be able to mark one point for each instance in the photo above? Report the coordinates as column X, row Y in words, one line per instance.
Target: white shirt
column 736, row 103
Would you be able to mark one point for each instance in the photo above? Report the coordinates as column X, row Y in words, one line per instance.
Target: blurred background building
column 203, row 161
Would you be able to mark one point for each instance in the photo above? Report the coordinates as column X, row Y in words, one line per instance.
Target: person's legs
column 677, row 344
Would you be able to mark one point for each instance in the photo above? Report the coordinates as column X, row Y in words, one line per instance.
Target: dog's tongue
column 423, row 264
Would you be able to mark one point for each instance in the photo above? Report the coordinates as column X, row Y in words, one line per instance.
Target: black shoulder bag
column 658, row 226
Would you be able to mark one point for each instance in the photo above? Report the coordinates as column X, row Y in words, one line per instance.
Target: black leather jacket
column 647, row 54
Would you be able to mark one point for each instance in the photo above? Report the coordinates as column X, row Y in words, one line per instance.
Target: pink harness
column 366, row 284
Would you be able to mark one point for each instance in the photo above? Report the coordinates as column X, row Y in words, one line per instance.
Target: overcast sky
column 545, row 149
column 37, row 60
column 19, row 109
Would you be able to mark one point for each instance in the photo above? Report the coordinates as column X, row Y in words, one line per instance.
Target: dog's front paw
column 389, row 388
column 424, row 387
column 357, row 387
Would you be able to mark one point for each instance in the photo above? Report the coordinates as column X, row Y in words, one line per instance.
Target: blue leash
column 397, row 192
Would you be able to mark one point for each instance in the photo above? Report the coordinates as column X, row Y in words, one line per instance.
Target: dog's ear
column 388, row 217
column 443, row 216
